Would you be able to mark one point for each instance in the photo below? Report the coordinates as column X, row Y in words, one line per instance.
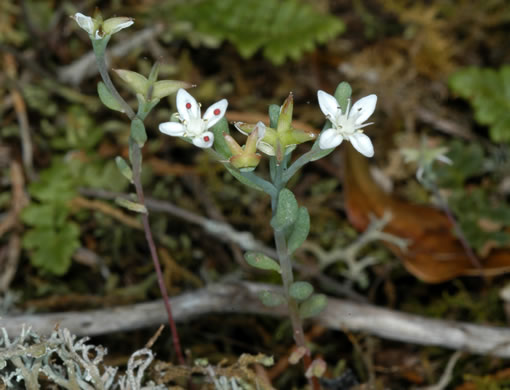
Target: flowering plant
column 210, row 131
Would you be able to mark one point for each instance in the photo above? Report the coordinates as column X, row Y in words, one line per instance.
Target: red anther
column 188, row 105
column 206, row 138
column 217, row 111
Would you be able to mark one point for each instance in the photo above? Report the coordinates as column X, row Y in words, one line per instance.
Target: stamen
column 188, row 106
column 206, row 138
column 217, row 111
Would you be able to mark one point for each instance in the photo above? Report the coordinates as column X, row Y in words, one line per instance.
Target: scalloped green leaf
column 488, row 91
column 281, row 28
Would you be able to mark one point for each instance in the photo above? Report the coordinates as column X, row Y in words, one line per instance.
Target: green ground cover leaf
column 488, row 91
column 282, row 28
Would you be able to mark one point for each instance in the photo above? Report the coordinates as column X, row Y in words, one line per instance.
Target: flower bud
column 285, row 118
column 134, row 80
column 165, row 88
column 245, row 159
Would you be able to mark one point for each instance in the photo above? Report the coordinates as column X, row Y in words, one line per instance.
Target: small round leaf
column 286, row 211
column 313, row 306
column 300, row 290
column 271, row 299
column 261, row 261
column 138, row 132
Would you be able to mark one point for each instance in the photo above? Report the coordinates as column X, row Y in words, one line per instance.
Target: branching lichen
column 67, row 362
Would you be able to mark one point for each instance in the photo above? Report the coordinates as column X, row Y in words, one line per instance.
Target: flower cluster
column 344, row 126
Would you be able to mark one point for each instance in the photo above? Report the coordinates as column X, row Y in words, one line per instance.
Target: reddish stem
column 155, row 260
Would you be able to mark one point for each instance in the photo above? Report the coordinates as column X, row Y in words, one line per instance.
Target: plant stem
column 155, row 259
column 300, row 162
column 99, row 50
column 288, row 278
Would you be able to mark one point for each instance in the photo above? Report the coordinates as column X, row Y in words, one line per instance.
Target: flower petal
column 174, row 129
column 329, row 139
column 205, row 140
column 266, row 148
column 187, row 106
column 85, row 22
column 113, row 25
column 363, row 108
column 362, row 144
column 262, row 130
column 328, row 104
column 214, row 113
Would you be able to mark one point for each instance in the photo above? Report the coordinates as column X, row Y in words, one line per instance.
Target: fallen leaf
column 435, row 254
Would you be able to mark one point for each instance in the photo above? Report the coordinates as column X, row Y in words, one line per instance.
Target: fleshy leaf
column 313, row 306
column 247, row 182
column 300, row 290
column 271, row 299
column 300, row 230
column 107, row 98
column 261, row 261
column 220, row 145
column 124, row 168
column 138, row 132
column 132, row 206
column 343, row 94
column 286, row 211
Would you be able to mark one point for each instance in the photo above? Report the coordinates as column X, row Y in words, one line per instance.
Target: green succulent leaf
column 107, row 98
column 124, row 168
column 286, row 211
column 274, row 115
column 313, row 306
column 220, row 145
column 261, row 261
column 271, row 299
column 300, row 230
column 138, row 132
column 300, row 291
column 343, row 94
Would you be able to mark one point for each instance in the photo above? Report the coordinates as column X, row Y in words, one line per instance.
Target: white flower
column 347, row 125
column 97, row 29
column 194, row 126
column 85, row 22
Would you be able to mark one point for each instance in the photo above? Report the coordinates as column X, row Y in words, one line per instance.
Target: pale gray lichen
column 72, row 364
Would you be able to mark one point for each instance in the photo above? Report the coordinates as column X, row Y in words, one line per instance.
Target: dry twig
column 243, row 298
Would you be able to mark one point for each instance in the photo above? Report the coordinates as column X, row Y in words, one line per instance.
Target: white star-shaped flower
column 347, row 125
column 193, row 125
column 98, row 29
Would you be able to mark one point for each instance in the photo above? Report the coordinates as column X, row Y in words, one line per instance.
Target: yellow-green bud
column 285, row 118
column 137, row 82
column 165, row 88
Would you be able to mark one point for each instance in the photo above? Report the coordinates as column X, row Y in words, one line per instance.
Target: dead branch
column 242, row 298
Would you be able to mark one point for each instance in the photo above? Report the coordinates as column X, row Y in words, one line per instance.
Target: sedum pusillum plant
column 149, row 91
column 276, row 140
